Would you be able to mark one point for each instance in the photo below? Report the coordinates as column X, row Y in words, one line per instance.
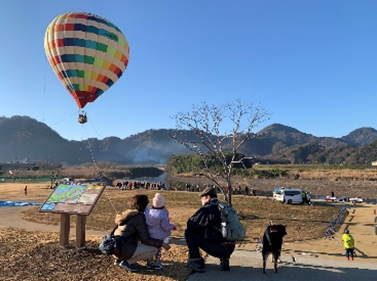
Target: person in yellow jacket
column 349, row 244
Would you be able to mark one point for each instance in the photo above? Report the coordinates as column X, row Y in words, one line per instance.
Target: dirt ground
column 29, row 255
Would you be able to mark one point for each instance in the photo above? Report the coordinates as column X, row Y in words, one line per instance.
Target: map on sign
column 74, row 199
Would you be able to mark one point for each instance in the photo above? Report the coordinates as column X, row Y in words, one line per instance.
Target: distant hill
column 361, row 137
column 22, row 137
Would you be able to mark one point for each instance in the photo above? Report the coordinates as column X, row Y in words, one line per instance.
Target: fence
column 335, row 224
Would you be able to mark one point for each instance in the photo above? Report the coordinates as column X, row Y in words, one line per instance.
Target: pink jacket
column 159, row 226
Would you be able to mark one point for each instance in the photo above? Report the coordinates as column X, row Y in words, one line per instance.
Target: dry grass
column 304, row 222
column 336, row 175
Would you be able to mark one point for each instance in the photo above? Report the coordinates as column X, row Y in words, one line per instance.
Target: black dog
column 272, row 242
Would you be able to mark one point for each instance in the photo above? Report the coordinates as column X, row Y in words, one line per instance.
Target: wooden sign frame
column 73, row 199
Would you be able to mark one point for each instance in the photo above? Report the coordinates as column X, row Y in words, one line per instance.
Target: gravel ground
column 34, row 255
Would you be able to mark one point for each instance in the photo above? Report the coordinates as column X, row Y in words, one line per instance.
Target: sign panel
column 74, row 199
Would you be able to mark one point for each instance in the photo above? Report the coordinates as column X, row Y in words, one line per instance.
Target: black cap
column 208, row 191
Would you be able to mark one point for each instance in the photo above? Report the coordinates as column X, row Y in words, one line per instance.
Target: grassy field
column 303, row 221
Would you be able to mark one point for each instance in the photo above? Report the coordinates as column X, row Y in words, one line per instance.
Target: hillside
column 22, row 137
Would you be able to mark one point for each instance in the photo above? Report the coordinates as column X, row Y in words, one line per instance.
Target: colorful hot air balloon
column 87, row 53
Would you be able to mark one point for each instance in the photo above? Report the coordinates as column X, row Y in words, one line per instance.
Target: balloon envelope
column 88, row 54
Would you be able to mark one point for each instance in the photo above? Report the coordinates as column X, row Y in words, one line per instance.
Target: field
column 29, row 255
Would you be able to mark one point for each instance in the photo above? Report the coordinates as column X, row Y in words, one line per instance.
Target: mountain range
column 24, row 138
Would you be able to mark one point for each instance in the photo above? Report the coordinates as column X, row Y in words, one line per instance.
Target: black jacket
column 207, row 222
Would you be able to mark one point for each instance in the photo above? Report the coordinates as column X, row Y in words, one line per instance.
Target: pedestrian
column 203, row 232
column 139, row 245
column 159, row 227
column 25, row 190
column 349, row 244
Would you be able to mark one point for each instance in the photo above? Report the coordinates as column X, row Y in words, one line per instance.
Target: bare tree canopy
column 219, row 130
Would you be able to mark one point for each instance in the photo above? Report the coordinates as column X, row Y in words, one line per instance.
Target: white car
column 331, row 198
column 356, row 199
column 277, row 191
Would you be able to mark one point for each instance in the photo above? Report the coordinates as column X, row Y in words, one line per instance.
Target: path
column 10, row 217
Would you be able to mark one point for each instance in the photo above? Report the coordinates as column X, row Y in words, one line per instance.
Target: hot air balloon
column 87, row 53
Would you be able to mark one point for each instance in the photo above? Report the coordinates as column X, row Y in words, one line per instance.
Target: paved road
column 247, row 265
column 9, row 216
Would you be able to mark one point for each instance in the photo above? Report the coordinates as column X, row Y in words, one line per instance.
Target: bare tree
column 218, row 131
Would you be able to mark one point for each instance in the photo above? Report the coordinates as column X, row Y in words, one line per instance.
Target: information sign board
column 74, row 199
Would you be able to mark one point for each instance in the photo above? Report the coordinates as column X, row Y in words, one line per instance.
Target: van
column 277, row 191
column 290, row 196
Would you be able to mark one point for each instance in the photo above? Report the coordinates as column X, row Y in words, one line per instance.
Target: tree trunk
column 230, row 196
column 229, row 193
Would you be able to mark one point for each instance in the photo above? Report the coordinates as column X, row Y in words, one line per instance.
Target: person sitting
column 203, row 231
column 139, row 245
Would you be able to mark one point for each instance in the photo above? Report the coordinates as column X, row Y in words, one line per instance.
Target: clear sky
column 312, row 64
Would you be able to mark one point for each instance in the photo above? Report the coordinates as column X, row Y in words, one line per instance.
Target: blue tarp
column 18, row 204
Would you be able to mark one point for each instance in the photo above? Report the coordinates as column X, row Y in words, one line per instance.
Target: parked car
column 69, row 179
column 277, row 191
column 342, row 199
column 331, row 198
column 290, row 196
column 356, row 199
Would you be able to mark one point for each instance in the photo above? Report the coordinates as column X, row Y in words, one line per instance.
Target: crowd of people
column 128, row 185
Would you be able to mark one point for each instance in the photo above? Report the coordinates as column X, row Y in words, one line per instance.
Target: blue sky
column 311, row 64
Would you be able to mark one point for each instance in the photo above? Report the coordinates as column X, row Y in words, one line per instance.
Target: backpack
column 231, row 227
column 112, row 244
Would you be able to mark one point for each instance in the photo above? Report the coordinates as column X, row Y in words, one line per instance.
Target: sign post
column 72, row 199
column 65, row 221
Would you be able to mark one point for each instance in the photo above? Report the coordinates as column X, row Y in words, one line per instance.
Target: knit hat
column 158, row 201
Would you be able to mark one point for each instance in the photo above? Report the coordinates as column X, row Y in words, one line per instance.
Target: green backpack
column 231, row 227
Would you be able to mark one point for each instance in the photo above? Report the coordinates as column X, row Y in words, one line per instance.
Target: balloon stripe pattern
column 87, row 53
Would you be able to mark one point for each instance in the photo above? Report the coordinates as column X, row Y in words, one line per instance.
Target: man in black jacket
column 204, row 231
